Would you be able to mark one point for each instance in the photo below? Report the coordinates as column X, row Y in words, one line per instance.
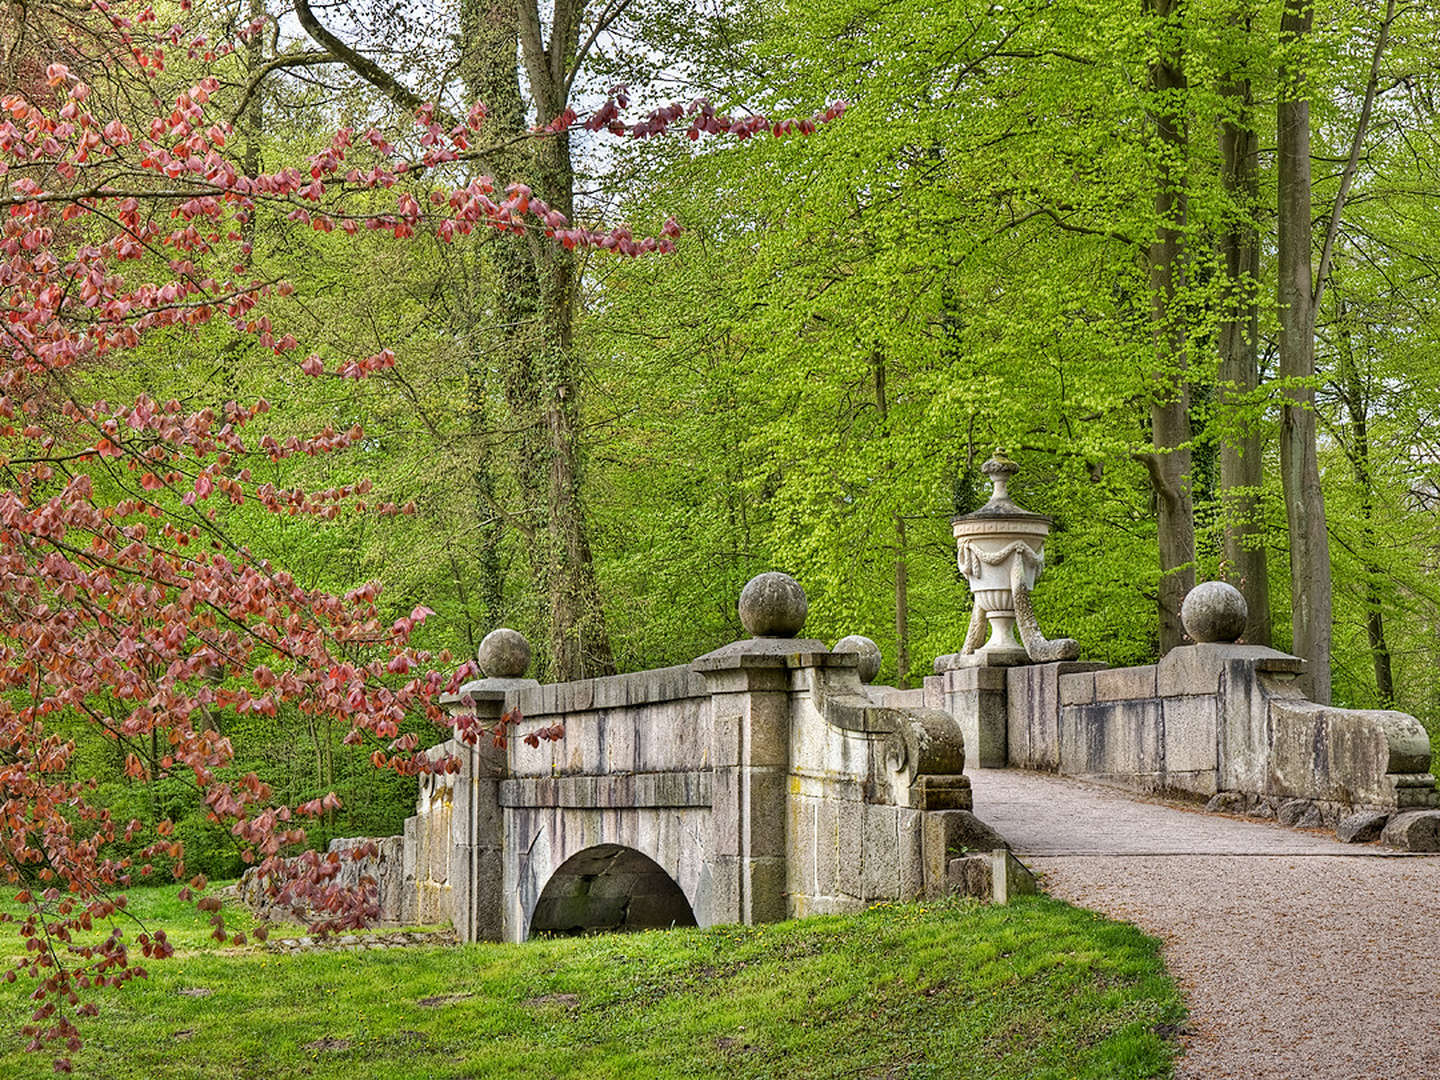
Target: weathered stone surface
column 381, row 875
column 1117, row 741
column 1228, row 802
column 977, row 677
column 1362, row 826
column 1413, row 830
column 866, row 650
column 1343, row 755
column 1078, row 688
column 962, row 832
column 941, row 793
column 1299, row 814
column 1262, row 808
column 995, row 876
column 970, row 875
column 1032, row 713
column 1214, row 611
column 1196, row 669
column 504, row 654
column 1191, row 735
column 880, row 872
column 975, row 697
column 773, row 605
column 1125, row 684
column 1009, row 877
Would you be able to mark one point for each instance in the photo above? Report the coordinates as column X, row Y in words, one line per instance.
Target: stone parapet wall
column 763, row 781
column 1209, row 720
column 645, row 722
column 1354, row 757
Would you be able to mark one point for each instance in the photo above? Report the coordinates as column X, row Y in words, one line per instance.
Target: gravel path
column 1300, row 957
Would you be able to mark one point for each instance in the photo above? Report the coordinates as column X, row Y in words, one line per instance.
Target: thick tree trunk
column 1170, row 408
column 1310, row 587
column 1241, row 473
column 531, row 349
column 579, row 640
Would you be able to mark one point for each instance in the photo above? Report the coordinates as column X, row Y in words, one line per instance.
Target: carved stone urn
column 1001, row 549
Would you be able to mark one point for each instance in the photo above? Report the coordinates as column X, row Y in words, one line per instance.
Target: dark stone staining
column 607, row 888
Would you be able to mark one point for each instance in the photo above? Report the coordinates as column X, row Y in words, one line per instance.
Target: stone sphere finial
column 503, row 654
column 868, row 652
column 1214, row 611
column 773, row 605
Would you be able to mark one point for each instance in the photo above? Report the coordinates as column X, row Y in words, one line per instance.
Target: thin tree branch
column 1327, row 251
column 607, row 17
column 363, row 66
column 279, row 62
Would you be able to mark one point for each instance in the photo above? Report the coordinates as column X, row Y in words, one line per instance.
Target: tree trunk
column 1355, row 404
column 1241, row 476
column 579, row 640
column 252, row 120
column 902, row 555
column 1170, row 408
column 1299, row 466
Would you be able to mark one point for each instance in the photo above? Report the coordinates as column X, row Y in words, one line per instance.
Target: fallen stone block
column 1414, row 830
column 1263, row 809
column 1300, row 814
column 1228, row 802
column 970, row 875
column 1361, row 827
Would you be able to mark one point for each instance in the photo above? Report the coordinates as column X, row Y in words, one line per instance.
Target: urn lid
column 1000, row 469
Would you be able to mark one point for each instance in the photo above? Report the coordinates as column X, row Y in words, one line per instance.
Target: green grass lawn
column 945, row 989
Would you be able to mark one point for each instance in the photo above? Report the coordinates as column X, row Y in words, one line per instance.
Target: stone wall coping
column 1125, row 684
column 1195, row 669
column 487, row 689
column 773, row 652
column 609, row 692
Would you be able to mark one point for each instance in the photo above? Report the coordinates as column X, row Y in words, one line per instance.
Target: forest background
column 1176, row 257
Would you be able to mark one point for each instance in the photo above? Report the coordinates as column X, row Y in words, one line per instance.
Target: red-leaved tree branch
column 124, row 604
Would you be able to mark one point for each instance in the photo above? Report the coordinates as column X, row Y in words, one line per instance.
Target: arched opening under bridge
column 606, row 888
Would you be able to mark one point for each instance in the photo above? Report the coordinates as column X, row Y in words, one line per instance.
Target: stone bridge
column 762, row 781
column 769, row 779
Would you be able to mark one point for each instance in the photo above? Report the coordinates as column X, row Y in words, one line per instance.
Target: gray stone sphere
column 773, row 605
column 1214, row 611
column 503, row 654
column 868, row 652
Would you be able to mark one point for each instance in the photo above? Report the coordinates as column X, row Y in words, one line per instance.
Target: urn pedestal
column 1001, row 552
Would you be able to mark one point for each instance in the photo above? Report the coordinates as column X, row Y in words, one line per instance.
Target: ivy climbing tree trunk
column 542, row 383
column 1241, row 467
column 1169, row 464
column 579, row 641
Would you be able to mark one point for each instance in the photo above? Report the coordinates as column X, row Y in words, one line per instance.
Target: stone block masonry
column 765, row 780
column 1225, row 722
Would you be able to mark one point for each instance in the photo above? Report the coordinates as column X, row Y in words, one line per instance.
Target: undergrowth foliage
column 123, row 601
